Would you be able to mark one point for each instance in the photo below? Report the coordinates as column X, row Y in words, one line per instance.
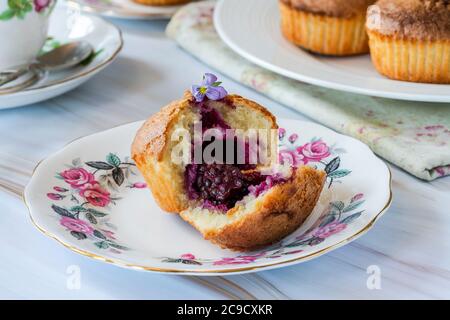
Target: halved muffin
column 330, row 27
column 237, row 205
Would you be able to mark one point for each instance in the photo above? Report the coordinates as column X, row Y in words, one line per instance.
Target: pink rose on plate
column 76, row 225
column 77, row 177
column 293, row 138
column 108, row 234
column 59, row 189
column 40, row 5
column 291, row 157
column 187, row 256
column 139, row 185
column 314, row 151
column 95, row 194
column 329, row 230
column 238, row 260
column 357, row 197
column 55, row 196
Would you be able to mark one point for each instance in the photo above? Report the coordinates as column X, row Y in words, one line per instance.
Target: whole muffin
column 330, row 27
column 161, row 2
column 410, row 39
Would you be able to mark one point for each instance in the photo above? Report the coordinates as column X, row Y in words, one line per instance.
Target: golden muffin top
column 416, row 19
column 334, row 8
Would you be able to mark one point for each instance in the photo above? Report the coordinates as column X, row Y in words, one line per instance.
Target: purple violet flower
column 209, row 88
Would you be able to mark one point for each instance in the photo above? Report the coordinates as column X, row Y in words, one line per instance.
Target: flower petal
column 197, row 93
column 216, row 93
column 209, row 79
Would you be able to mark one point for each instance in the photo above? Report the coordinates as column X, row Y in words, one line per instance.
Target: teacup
column 23, row 30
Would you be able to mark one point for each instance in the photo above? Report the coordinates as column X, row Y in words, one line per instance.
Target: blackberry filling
column 211, row 118
column 220, row 186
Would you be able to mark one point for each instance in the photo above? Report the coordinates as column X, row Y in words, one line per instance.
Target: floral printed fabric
column 413, row 135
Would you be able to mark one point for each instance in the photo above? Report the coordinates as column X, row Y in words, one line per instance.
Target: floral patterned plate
column 67, row 26
column 125, row 9
column 90, row 197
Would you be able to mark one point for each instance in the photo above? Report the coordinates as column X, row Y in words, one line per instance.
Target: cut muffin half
column 261, row 218
column 240, row 206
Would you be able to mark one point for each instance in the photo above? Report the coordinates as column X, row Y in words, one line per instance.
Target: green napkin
column 413, row 135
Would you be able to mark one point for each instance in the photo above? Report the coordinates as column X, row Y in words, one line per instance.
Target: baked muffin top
column 416, row 19
column 334, row 8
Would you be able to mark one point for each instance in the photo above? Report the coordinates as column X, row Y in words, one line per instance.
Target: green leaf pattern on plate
column 87, row 196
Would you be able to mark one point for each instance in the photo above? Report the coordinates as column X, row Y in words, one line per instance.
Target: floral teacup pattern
column 27, row 20
column 20, row 8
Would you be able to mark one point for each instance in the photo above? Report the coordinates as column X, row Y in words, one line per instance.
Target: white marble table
column 410, row 244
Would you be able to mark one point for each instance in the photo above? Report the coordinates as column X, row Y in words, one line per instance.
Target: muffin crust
column 151, row 138
column 412, row 19
column 332, row 8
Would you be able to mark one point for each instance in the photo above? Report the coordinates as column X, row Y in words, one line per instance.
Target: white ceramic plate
column 124, row 226
column 252, row 29
column 124, row 9
column 67, row 26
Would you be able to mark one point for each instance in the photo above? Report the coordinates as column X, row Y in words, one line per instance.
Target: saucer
column 124, row 9
column 67, row 26
column 27, row 79
column 118, row 221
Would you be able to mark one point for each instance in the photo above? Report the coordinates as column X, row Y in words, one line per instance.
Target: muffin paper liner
column 322, row 34
column 411, row 60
